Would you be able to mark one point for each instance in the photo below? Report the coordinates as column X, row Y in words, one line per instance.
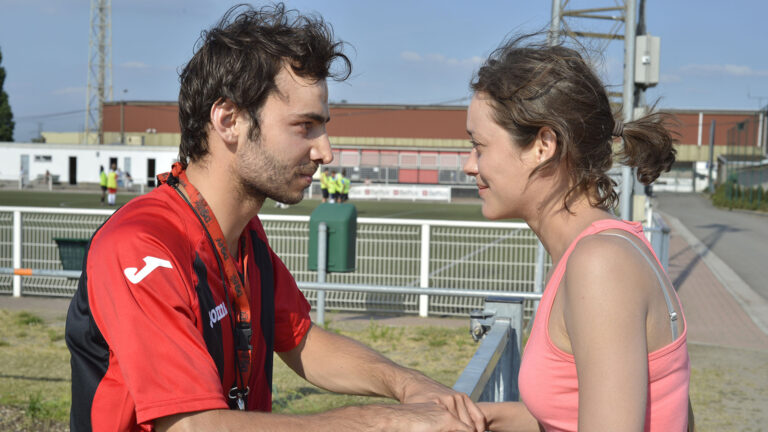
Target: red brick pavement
column 712, row 314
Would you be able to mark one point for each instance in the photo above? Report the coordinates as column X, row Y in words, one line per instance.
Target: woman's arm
column 605, row 298
column 508, row 417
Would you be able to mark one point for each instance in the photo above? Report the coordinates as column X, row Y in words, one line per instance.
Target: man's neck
column 232, row 210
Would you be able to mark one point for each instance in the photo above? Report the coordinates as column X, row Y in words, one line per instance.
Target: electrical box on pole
column 647, row 56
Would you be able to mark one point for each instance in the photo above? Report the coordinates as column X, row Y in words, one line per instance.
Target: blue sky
column 714, row 53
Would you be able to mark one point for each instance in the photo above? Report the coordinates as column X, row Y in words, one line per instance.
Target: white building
column 76, row 164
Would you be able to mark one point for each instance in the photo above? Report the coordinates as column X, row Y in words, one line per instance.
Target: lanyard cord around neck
column 241, row 321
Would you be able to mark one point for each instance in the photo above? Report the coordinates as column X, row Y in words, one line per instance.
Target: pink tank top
column 548, row 382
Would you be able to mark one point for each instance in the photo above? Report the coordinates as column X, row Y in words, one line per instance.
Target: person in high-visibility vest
column 112, row 185
column 339, row 186
column 345, row 185
column 103, row 184
column 324, row 184
column 332, row 187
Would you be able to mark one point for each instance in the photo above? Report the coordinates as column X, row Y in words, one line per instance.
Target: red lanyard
column 235, row 286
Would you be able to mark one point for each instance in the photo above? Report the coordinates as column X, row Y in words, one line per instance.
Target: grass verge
column 729, row 387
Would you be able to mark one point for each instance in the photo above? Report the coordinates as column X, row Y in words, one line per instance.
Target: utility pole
column 627, row 173
column 99, row 68
column 619, row 14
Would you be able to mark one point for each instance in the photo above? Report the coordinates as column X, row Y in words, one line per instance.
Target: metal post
column 627, row 175
column 122, row 122
column 711, row 156
column 424, row 270
column 322, row 259
column 554, row 26
column 16, row 252
column 693, row 176
column 538, row 278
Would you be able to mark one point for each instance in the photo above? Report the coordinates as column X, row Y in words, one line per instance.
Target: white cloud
column 724, row 69
column 670, row 78
column 440, row 59
column 410, row 56
column 69, row 90
column 135, row 65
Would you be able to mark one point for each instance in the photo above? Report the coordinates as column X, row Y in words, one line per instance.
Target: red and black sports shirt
column 149, row 329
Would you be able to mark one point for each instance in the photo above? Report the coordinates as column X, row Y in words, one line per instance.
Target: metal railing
column 490, row 256
column 657, row 233
column 491, row 374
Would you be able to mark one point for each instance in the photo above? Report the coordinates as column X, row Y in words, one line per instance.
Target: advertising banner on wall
column 400, row 192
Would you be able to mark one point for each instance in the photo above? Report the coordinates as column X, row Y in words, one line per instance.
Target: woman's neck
column 557, row 227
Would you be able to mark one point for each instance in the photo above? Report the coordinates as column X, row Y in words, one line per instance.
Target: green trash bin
column 71, row 252
column 341, row 220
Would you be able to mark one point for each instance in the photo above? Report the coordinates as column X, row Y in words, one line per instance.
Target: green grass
column 390, row 209
column 61, row 199
column 406, row 345
column 34, row 366
column 728, row 387
column 35, row 373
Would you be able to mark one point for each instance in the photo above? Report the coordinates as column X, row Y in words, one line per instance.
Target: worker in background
column 103, row 183
column 344, row 185
column 332, row 187
column 339, row 186
column 112, row 184
column 324, row 184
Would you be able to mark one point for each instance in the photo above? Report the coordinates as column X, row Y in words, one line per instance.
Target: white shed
column 75, row 164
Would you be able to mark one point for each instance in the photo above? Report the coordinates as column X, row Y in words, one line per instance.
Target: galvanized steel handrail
column 482, row 367
column 75, row 274
column 57, row 210
column 292, row 218
column 322, row 286
column 415, row 290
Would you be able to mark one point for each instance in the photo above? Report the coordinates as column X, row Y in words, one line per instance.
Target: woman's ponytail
column 648, row 145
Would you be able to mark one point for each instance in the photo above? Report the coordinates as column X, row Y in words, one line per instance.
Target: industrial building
column 402, row 144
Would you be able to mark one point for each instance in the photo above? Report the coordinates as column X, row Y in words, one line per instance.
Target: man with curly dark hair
column 176, row 329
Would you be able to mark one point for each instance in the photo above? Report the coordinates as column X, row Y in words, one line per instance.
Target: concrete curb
column 755, row 306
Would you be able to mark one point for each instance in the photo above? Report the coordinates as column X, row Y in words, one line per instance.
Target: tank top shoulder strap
column 636, row 229
column 667, row 298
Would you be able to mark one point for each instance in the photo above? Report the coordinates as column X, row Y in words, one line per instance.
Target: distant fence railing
column 490, row 256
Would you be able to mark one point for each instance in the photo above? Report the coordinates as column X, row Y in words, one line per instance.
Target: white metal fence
column 394, row 252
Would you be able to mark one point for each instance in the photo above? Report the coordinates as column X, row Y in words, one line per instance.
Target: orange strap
column 234, row 284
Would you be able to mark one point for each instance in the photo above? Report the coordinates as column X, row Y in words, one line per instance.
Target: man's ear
column 224, row 117
column 545, row 145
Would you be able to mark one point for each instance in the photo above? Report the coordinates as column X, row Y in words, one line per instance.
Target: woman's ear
column 546, row 144
column 224, row 117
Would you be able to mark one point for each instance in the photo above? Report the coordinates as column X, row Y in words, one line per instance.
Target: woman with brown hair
column 607, row 350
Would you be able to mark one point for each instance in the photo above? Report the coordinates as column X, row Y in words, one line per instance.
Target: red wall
column 688, row 126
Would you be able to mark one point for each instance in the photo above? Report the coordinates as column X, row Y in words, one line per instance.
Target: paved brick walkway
column 712, row 314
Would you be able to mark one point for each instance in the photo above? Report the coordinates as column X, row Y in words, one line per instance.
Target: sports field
column 465, row 210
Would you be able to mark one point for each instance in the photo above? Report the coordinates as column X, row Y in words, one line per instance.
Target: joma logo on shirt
column 135, row 275
column 217, row 313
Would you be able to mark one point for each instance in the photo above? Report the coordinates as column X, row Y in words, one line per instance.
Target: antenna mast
column 99, row 69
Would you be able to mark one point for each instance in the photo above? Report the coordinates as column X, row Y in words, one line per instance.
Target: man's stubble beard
column 260, row 175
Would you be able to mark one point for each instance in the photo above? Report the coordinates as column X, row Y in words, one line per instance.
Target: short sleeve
column 141, row 293
column 292, row 321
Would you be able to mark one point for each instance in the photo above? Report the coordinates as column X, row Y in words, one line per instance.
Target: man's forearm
column 342, row 365
column 228, row 420
column 370, row 418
